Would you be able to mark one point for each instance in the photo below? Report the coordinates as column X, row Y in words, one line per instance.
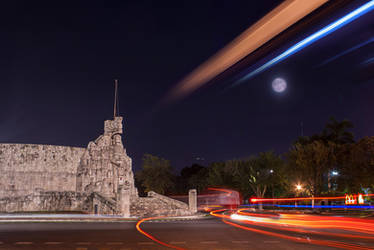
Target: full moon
column 279, row 85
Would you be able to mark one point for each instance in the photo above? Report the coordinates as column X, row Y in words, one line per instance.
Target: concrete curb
column 96, row 220
column 168, row 219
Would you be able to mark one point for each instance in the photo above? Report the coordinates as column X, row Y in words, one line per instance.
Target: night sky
column 59, row 60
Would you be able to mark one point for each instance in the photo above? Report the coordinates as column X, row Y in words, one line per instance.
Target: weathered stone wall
column 48, row 201
column 27, row 168
column 104, row 205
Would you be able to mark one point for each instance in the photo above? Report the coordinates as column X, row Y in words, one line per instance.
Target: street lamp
column 333, row 173
column 298, row 188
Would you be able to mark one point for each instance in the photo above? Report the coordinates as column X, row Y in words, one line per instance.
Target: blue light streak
column 368, row 61
column 315, row 206
column 369, row 6
column 327, row 206
column 347, row 51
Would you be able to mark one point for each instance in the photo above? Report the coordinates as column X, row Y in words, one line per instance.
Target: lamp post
column 331, row 174
column 298, row 189
column 272, row 188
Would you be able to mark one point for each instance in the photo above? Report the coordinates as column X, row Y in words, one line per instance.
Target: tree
column 156, row 174
column 357, row 161
column 310, row 162
column 258, row 174
column 192, row 177
column 198, row 180
column 338, row 139
column 219, row 174
column 337, row 132
column 334, row 131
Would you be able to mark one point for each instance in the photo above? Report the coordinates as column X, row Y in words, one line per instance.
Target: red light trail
column 254, row 200
column 151, row 236
column 292, row 223
column 298, row 239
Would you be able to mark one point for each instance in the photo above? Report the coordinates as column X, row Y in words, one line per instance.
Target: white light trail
column 369, row 6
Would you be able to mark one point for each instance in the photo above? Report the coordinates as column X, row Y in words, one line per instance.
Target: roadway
column 210, row 233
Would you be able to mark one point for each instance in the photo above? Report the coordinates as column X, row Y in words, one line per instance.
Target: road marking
column 23, row 243
column 271, row 241
column 83, row 243
column 146, row 243
column 114, row 243
column 52, row 243
column 177, row 242
column 240, row 241
column 209, row 242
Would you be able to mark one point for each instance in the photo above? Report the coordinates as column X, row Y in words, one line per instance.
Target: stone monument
column 105, row 166
column 97, row 180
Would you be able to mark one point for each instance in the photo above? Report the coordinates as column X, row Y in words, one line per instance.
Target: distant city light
column 271, row 171
column 312, row 38
column 334, row 173
column 298, row 187
column 350, row 199
column 360, row 199
column 354, row 199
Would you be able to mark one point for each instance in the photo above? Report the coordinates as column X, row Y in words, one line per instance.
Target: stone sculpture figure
column 105, row 165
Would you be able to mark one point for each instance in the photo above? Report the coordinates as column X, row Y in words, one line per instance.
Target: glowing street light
column 298, row 189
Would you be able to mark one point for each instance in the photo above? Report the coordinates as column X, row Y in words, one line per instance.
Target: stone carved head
column 112, row 127
column 117, row 139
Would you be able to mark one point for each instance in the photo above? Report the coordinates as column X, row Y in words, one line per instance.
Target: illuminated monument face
column 98, row 179
column 105, row 165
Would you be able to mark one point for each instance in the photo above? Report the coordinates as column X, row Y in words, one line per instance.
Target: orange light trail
column 298, row 239
column 272, row 24
column 302, row 217
column 291, row 221
column 254, row 200
column 151, row 236
column 353, row 224
column 228, row 192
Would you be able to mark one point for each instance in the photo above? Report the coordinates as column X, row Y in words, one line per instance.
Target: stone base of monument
column 152, row 205
column 158, row 205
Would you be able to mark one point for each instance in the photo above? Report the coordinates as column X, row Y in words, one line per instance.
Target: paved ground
column 189, row 234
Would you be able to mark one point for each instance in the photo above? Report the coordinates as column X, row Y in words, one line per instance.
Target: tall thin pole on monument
column 115, row 108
